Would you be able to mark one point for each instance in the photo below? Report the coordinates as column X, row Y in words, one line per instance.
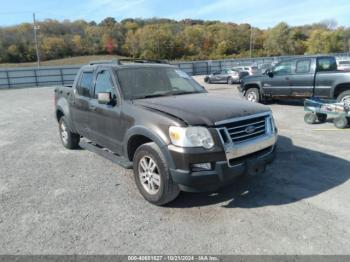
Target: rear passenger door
column 105, row 120
column 80, row 105
column 303, row 79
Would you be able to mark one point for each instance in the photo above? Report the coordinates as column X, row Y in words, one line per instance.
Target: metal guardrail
column 64, row 75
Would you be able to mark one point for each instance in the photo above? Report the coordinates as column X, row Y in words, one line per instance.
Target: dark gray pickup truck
column 161, row 122
column 300, row 77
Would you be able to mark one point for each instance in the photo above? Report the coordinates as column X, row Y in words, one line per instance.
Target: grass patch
column 77, row 60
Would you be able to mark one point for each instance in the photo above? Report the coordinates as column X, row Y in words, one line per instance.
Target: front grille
column 246, row 129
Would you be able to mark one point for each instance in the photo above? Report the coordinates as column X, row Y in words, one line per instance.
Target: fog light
column 201, row 166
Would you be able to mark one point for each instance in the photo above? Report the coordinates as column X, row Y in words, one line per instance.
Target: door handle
column 92, row 108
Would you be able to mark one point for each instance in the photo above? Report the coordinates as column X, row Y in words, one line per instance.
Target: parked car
column 299, row 77
column 344, row 65
column 161, row 122
column 252, row 70
column 228, row 76
column 263, row 67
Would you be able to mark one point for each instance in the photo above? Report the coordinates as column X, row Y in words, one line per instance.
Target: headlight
column 191, row 136
column 273, row 124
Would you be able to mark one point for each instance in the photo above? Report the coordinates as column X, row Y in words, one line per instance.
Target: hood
column 202, row 109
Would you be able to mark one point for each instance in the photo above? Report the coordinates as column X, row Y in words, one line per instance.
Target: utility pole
column 251, row 41
column 35, row 28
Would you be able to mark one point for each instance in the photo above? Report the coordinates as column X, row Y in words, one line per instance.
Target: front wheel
column 310, row 118
column 230, row 81
column 252, row 95
column 152, row 175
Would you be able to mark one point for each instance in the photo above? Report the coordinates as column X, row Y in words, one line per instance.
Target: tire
column 321, row 117
column 344, row 96
column 230, row 81
column 156, row 187
column 310, row 118
column 69, row 140
column 206, row 79
column 340, row 122
column 252, row 95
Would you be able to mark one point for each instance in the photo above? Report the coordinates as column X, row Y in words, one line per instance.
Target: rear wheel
column 310, row 118
column 69, row 139
column 321, row 117
column 252, row 95
column 152, row 175
column 340, row 122
column 344, row 96
column 230, row 81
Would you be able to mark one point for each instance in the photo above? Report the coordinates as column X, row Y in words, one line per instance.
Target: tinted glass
column 326, row 64
column 284, row 68
column 303, row 66
column 86, row 84
column 140, row 82
column 104, row 83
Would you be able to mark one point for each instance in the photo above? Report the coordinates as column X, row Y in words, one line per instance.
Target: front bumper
column 223, row 171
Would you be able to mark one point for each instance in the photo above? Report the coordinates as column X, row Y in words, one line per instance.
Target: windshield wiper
column 185, row 93
column 154, row 95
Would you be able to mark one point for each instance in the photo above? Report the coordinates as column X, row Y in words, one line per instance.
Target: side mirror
column 269, row 73
column 104, row 98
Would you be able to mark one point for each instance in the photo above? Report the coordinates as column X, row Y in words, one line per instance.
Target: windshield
column 146, row 82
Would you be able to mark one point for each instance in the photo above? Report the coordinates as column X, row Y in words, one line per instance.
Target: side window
column 326, row 64
column 85, row 85
column 303, row 66
column 284, row 68
column 104, row 83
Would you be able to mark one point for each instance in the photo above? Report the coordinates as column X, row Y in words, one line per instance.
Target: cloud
column 100, row 9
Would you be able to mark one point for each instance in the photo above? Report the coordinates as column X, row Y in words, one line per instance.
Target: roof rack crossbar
column 100, row 62
column 133, row 60
column 143, row 61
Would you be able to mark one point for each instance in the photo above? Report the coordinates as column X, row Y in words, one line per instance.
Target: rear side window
column 326, row 64
column 85, row 85
column 104, row 83
column 303, row 66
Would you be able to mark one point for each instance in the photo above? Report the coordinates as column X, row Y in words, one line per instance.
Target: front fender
column 140, row 130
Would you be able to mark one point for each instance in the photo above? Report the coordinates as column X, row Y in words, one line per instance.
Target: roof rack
column 143, row 61
column 133, row 60
column 101, row 62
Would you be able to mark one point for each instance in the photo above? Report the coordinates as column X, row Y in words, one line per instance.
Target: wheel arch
column 62, row 109
column 338, row 89
column 138, row 136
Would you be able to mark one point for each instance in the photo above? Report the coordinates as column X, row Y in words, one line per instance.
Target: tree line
column 168, row 39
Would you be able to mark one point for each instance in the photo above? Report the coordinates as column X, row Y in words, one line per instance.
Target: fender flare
column 141, row 130
column 63, row 106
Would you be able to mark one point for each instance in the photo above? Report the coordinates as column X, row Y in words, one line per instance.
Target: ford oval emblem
column 250, row 129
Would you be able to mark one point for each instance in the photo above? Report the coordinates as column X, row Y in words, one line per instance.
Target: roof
column 129, row 63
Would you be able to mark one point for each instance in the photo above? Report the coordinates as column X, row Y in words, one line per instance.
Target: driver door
column 279, row 83
column 105, row 119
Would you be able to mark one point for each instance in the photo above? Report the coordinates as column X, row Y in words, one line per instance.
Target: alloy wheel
column 149, row 175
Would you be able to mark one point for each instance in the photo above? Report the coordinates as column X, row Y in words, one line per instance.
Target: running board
column 87, row 145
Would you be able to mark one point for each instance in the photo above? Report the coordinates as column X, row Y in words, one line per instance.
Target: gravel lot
column 55, row 201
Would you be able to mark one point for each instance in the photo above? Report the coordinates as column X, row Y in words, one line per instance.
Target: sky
column 259, row 13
